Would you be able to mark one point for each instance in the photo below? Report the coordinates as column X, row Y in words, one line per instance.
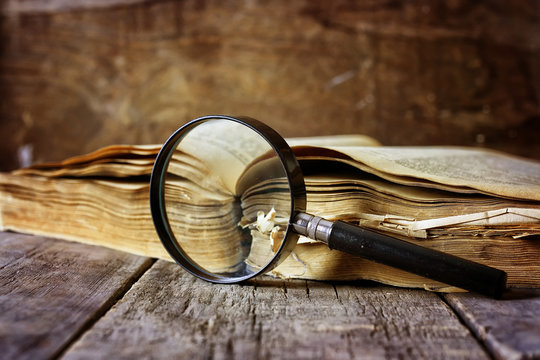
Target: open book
column 477, row 204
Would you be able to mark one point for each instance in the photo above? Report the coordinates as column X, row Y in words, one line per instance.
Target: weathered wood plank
column 169, row 314
column 510, row 328
column 51, row 290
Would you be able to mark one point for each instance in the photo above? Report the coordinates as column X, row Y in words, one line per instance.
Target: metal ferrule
column 314, row 227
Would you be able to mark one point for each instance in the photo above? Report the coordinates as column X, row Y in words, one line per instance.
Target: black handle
column 419, row 260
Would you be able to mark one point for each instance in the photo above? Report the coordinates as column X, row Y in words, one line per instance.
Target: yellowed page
column 104, row 153
column 484, row 170
column 225, row 147
column 333, row 140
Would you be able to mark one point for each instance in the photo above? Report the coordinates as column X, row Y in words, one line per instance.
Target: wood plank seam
column 467, row 325
column 508, row 327
column 105, row 307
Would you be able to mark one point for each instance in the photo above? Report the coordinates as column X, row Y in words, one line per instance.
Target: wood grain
column 56, row 298
column 76, row 75
column 510, row 328
column 170, row 314
column 51, row 290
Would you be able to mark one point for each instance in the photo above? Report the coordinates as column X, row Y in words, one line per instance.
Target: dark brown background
column 76, row 75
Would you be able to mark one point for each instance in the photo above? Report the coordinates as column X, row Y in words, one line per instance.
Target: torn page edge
column 504, row 216
column 418, row 229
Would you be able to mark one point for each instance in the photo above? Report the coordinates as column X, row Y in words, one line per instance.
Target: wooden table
column 73, row 301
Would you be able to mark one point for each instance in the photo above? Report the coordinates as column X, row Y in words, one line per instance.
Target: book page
column 103, row 154
column 228, row 147
column 484, row 170
column 225, row 147
column 333, row 140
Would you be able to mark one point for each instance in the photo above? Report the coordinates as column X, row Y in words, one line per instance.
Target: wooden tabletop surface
column 67, row 300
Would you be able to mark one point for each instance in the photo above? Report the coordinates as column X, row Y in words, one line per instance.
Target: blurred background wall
column 79, row 74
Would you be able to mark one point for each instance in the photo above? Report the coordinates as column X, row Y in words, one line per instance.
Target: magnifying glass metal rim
column 291, row 168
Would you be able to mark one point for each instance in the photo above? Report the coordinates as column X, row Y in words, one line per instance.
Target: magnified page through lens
column 268, row 232
column 213, row 165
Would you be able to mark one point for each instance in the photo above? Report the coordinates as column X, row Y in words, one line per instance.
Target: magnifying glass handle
column 403, row 255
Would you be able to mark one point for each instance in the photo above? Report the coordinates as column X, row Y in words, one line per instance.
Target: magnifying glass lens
column 226, row 200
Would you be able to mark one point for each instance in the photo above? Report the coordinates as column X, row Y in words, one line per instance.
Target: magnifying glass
column 228, row 201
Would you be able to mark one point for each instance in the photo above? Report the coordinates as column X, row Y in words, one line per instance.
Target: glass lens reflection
column 227, row 198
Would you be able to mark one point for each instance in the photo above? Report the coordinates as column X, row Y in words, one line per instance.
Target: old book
column 478, row 204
